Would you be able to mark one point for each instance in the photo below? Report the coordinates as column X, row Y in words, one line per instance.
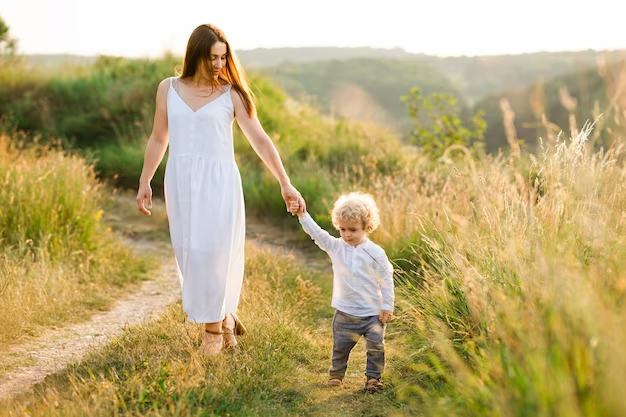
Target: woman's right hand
column 144, row 199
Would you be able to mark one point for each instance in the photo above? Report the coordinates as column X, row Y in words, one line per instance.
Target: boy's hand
column 385, row 316
column 295, row 208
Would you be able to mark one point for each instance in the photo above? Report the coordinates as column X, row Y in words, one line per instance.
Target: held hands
column 144, row 199
column 296, row 208
column 293, row 200
column 385, row 316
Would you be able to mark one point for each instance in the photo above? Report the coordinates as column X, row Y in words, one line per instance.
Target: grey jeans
column 347, row 330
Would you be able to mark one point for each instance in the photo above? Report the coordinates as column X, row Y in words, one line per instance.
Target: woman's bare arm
column 155, row 149
column 265, row 149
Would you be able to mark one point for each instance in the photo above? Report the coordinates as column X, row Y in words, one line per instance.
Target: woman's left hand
column 290, row 194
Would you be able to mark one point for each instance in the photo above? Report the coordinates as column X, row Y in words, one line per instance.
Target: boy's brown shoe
column 335, row 382
column 373, row 385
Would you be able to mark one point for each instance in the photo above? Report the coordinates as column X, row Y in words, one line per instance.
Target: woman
column 203, row 193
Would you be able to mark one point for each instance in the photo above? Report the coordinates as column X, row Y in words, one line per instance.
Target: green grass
column 279, row 370
column 106, row 112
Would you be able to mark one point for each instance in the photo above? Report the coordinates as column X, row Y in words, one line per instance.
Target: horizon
column 338, row 47
column 150, row 29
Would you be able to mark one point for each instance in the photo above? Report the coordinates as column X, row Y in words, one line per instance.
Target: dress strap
column 174, row 83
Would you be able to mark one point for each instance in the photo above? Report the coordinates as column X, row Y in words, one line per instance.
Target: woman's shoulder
column 166, row 82
column 163, row 88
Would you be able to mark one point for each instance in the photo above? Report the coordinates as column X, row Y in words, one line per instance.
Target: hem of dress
column 196, row 320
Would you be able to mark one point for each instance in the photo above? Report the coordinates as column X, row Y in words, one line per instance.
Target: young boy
column 363, row 293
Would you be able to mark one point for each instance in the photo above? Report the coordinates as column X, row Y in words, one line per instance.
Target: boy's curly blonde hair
column 356, row 206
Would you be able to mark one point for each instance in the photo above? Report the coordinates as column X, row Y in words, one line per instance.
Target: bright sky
column 437, row 27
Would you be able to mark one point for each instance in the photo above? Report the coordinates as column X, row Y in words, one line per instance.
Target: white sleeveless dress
column 205, row 206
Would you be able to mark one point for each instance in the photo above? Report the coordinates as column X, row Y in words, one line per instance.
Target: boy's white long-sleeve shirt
column 362, row 275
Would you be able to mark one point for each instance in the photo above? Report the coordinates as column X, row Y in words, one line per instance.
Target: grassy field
column 511, row 303
column 511, row 282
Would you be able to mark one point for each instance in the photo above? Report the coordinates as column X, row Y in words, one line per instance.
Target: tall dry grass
column 515, row 282
column 59, row 261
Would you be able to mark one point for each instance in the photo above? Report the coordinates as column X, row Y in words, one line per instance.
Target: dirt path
column 58, row 348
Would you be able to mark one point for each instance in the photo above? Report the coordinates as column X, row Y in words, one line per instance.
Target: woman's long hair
column 198, row 53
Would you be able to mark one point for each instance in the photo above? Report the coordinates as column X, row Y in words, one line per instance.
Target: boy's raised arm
column 321, row 237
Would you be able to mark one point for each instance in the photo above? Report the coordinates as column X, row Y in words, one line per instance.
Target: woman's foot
column 212, row 343
column 228, row 329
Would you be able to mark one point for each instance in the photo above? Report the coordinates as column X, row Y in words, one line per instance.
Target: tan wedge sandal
column 238, row 329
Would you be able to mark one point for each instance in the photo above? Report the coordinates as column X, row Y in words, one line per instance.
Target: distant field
column 52, row 61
